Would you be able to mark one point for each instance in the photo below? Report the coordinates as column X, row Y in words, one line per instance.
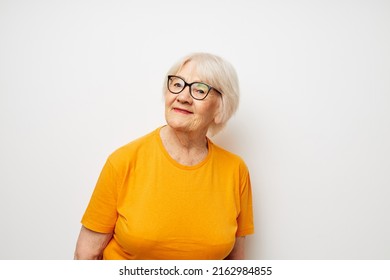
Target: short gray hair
column 220, row 74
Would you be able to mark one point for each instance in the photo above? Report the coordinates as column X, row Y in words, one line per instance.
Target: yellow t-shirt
column 160, row 209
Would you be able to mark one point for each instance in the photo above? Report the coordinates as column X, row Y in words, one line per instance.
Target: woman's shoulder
column 129, row 150
column 226, row 156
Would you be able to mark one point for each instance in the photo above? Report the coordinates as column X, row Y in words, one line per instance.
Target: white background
column 80, row 78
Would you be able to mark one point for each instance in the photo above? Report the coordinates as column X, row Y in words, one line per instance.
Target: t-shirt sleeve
column 245, row 217
column 101, row 213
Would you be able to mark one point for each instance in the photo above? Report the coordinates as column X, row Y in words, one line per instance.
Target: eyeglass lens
column 198, row 90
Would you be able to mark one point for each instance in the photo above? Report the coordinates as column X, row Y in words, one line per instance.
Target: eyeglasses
column 198, row 90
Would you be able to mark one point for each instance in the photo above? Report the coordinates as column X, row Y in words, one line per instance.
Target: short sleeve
column 245, row 217
column 101, row 213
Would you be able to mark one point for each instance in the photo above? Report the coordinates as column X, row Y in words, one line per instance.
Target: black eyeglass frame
column 189, row 85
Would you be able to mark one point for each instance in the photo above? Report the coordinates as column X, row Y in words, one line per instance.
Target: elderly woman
column 174, row 194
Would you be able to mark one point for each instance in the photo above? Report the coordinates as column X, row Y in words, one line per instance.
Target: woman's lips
column 182, row 111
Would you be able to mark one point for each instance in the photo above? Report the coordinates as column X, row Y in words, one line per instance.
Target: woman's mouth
column 182, row 111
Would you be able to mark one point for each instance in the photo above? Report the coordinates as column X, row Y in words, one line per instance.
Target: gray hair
column 220, row 74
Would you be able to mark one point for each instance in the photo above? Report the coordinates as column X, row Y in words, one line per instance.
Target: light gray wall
column 80, row 78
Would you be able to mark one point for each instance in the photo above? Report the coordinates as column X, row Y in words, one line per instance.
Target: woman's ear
column 219, row 114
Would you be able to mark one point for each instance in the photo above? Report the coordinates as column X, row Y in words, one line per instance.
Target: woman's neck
column 187, row 148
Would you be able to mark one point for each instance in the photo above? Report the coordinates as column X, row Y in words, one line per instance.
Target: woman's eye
column 178, row 85
column 199, row 91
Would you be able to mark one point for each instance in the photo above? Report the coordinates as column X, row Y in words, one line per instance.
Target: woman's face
column 184, row 113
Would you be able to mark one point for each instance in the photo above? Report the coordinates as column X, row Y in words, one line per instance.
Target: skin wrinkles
column 202, row 112
column 185, row 136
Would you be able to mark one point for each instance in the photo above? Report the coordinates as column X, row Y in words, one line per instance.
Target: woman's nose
column 185, row 95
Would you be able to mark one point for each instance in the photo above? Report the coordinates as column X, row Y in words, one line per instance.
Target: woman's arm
column 90, row 244
column 238, row 252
